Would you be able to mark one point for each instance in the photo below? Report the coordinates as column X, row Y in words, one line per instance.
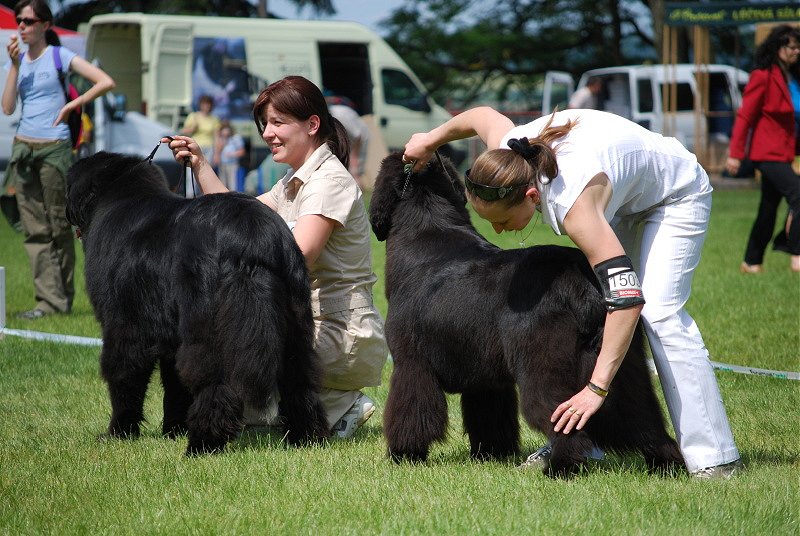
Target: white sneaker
column 720, row 472
column 359, row 413
column 541, row 457
column 538, row 459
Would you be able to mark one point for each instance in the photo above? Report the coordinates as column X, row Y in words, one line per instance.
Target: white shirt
column 645, row 169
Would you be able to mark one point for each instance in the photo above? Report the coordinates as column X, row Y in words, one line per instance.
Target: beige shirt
column 341, row 277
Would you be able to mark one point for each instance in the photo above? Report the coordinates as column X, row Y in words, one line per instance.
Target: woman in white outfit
column 637, row 204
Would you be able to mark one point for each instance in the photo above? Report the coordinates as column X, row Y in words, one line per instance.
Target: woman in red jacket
column 767, row 119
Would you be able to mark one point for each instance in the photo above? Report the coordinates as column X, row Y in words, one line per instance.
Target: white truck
column 164, row 63
column 636, row 92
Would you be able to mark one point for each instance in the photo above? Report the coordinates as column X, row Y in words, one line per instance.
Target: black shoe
column 33, row 314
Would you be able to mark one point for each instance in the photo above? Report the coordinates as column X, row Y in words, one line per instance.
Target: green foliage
column 454, row 44
column 56, row 478
column 72, row 14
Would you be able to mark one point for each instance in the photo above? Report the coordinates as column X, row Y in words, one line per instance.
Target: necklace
column 530, row 232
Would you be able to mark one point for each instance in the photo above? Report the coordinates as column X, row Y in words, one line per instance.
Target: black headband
column 522, row 147
column 489, row 193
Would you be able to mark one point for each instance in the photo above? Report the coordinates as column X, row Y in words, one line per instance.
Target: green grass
column 56, row 478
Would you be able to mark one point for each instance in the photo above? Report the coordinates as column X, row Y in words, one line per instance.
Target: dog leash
column 408, row 169
column 186, row 165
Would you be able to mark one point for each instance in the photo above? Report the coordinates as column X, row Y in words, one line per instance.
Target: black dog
column 214, row 289
column 468, row 317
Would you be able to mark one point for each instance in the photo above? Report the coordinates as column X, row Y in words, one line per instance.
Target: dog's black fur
column 214, row 290
column 468, row 317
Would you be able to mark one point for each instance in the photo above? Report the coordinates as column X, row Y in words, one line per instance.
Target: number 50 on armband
column 619, row 282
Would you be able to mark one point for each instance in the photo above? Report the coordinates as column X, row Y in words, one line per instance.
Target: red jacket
column 768, row 113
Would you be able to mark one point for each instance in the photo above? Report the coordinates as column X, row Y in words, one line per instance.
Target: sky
column 367, row 12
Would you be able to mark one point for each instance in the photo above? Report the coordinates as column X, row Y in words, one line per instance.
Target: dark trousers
column 778, row 180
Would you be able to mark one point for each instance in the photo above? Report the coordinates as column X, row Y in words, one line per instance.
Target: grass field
column 56, row 478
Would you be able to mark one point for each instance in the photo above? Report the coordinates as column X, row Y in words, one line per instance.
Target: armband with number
column 620, row 284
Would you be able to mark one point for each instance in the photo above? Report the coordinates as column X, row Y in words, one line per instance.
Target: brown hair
column 300, row 98
column 504, row 167
column 208, row 99
column 39, row 7
column 43, row 13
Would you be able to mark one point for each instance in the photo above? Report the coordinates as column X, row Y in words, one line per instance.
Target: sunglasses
column 27, row 21
column 489, row 193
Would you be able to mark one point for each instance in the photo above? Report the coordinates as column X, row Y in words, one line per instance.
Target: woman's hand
column 576, row 412
column 732, row 166
column 183, row 148
column 419, row 150
column 13, row 49
column 68, row 108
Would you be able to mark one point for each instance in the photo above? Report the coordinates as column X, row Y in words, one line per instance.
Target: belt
column 328, row 306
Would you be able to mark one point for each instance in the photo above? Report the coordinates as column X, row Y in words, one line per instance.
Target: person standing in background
column 42, row 151
column 202, row 125
column 229, row 148
column 587, row 97
column 344, row 110
column 767, row 119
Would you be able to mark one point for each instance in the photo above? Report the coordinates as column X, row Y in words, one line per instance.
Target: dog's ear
column 386, row 195
column 441, row 171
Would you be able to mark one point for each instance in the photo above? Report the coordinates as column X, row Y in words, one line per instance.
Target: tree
column 448, row 41
column 70, row 15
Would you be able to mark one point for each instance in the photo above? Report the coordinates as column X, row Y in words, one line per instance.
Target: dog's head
column 436, row 185
column 92, row 178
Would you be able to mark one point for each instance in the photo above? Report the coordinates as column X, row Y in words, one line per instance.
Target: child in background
column 229, row 149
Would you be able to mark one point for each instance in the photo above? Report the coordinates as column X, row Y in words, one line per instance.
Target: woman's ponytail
column 338, row 141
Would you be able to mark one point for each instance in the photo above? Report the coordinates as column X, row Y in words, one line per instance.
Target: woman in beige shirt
column 322, row 204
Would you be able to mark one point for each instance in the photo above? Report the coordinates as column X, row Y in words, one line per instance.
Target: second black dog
column 468, row 317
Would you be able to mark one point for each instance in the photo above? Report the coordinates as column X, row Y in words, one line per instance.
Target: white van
column 164, row 63
column 636, row 92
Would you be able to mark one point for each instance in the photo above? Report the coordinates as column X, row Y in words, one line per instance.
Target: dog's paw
column 202, row 449
column 113, row 436
column 408, row 456
column 174, row 431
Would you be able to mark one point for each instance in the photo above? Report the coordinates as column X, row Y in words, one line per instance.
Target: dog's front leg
column 416, row 411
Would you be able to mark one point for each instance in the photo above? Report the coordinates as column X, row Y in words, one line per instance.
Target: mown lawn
column 56, row 478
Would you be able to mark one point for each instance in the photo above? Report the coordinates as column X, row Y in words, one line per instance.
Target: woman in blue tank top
column 42, row 150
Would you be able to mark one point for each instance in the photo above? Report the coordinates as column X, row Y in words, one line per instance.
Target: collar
column 313, row 163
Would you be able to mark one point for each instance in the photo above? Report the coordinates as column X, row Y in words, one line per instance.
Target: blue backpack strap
column 57, row 57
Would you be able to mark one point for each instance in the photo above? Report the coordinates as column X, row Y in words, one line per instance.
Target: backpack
column 70, row 93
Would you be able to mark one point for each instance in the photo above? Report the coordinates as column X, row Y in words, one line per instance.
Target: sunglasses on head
column 27, row 21
column 489, row 193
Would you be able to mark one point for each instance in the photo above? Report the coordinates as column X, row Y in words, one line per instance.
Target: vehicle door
column 171, row 72
column 556, row 91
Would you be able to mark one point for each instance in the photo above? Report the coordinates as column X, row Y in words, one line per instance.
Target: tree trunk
column 262, row 8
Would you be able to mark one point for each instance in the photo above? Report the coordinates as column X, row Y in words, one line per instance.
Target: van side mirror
column 424, row 106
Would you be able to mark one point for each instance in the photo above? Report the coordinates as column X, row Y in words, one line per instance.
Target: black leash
column 408, row 169
column 187, row 164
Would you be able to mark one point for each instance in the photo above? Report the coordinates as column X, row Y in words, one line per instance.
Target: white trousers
column 664, row 244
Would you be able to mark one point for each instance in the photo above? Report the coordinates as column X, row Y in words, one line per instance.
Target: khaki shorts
column 352, row 347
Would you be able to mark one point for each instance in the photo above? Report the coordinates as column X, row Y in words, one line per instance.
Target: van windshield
column 399, row 89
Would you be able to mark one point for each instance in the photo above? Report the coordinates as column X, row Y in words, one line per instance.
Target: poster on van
column 220, row 71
